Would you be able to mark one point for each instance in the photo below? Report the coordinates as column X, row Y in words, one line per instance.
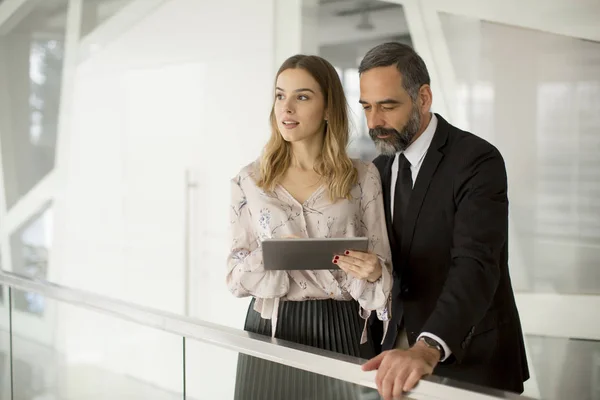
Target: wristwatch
column 432, row 343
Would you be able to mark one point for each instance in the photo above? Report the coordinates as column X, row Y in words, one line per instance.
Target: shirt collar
column 417, row 150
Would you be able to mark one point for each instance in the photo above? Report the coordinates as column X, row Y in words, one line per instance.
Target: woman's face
column 299, row 105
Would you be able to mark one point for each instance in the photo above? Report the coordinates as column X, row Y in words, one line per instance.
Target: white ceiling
column 340, row 21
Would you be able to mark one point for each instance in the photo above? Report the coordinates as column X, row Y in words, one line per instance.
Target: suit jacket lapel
column 430, row 164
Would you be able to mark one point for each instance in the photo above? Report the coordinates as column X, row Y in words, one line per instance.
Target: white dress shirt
column 415, row 154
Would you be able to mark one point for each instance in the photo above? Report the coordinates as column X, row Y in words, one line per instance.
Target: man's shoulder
column 466, row 153
column 382, row 161
column 465, row 142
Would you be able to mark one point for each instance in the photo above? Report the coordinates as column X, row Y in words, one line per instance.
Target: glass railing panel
column 64, row 351
column 217, row 373
column 5, row 381
column 78, row 345
column 566, row 368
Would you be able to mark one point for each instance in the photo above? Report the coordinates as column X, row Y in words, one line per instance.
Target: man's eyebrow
column 384, row 101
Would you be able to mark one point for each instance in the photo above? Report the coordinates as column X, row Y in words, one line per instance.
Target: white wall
column 188, row 87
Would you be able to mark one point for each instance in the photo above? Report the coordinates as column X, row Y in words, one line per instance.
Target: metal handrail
column 291, row 354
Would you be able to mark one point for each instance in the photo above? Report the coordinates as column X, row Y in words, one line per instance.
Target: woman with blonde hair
column 305, row 185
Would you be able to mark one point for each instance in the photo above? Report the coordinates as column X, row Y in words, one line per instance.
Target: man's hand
column 400, row 370
column 360, row 265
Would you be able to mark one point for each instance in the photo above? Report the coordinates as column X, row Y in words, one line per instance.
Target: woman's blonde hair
column 334, row 165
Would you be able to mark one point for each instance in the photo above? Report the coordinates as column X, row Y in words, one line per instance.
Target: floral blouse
column 257, row 215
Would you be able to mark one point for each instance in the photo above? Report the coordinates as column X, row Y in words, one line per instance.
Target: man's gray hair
column 409, row 63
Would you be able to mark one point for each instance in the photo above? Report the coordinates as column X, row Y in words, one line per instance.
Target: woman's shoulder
column 248, row 174
column 365, row 169
column 250, row 169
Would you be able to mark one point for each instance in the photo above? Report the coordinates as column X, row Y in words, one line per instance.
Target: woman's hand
column 360, row 265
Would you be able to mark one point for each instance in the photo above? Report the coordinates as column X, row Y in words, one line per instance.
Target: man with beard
column 445, row 192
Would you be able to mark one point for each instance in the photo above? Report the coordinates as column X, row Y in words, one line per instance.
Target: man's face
column 394, row 120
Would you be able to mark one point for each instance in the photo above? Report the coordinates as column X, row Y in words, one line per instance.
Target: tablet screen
column 308, row 253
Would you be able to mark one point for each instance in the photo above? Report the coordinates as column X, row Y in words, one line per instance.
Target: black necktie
column 404, row 185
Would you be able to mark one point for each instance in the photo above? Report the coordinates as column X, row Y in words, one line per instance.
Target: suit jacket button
column 405, row 290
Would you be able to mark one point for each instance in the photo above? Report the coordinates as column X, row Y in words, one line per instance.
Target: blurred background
column 122, row 121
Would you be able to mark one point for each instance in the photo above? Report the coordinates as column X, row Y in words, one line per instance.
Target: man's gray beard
column 384, row 147
column 398, row 141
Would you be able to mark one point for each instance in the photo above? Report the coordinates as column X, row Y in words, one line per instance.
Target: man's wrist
column 432, row 354
column 433, row 340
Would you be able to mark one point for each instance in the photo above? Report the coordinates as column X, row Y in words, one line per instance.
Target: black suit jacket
column 451, row 269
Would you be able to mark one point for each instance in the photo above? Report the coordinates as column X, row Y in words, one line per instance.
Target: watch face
column 433, row 343
column 430, row 341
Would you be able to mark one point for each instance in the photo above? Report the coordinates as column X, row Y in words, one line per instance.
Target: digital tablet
column 307, row 254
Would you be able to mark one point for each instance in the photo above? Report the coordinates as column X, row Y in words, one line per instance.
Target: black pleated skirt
column 325, row 324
